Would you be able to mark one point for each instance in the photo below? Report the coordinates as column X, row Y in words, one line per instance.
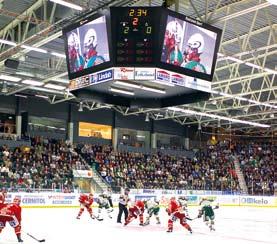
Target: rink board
column 70, row 200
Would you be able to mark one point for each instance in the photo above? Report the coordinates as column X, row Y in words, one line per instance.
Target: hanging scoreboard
column 134, row 30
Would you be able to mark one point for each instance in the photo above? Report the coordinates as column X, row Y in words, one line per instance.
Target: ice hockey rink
column 243, row 225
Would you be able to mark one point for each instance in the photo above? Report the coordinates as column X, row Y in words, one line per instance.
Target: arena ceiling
column 245, row 81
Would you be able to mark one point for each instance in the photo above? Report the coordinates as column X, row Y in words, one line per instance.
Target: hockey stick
column 38, row 240
column 96, row 217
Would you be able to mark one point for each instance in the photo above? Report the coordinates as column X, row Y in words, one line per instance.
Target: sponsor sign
column 82, row 173
column 124, row 73
column 178, row 79
column 91, row 79
column 144, row 74
column 148, row 191
column 79, row 82
column 102, row 76
column 246, row 200
column 162, row 75
column 31, row 199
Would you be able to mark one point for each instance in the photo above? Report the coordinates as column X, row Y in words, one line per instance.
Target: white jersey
column 183, row 203
column 152, row 204
column 102, row 201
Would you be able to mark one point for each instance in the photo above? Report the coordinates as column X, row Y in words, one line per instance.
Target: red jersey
column 10, row 211
column 173, row 207
column 2, row 197
column 140, row 205
column 86, row 200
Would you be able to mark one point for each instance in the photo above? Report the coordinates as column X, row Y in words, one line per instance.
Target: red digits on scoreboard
column 135, row 21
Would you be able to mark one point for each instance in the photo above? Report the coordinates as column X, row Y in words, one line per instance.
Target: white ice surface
column 234, row 225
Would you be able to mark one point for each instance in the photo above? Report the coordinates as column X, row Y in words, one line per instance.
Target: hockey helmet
column 17, row 200
column 90, row 40
column 175, row 29
column 196, row 41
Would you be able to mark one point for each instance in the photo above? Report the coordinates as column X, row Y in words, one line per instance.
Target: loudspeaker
column 12, row 64
column 24, row 125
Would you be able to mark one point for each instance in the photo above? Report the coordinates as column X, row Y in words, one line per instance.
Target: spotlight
column 147, row 117
column 199, row 126
column 80, row 107
column 4, row 87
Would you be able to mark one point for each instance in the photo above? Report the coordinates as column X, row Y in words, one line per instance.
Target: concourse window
column 133, row 138
column 167, row 141
column 7, row 124
column 95, row 130
column 46, row 125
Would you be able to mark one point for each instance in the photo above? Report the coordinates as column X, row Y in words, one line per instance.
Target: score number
column 136, row 13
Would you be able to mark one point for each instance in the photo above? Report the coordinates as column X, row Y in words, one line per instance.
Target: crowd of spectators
column 213, row 171
column 47, row 164
column 259, row 167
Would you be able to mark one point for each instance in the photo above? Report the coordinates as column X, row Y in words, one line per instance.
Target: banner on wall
column 52, row 199
column 82, row 173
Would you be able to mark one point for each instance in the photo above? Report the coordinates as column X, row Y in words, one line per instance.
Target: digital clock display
column 134, row 35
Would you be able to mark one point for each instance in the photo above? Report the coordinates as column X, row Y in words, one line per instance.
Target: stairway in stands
column 98, row 183
column 242, row 182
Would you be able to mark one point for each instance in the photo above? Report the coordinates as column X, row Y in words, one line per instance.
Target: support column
column 18, row 119
column 153, row 140
column 70, row 125
column 115, row 138
column 18, row 122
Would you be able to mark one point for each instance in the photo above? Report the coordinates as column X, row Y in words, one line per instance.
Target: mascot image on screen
column 76, row 60
column 90, row 53
column 194, row 49
column 89, row 58
column 190, row 57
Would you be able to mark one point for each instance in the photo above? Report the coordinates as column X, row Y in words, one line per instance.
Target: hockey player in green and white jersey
column 153, row 208
column 103, row 203
column 207, row 211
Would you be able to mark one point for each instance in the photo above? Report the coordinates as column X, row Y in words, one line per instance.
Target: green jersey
column 208, row 211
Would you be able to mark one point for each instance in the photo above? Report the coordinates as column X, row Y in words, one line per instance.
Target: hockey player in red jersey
column 3, row 194
column 11, row 213
column 175, row 212
column 134, row 212
column 86, row 201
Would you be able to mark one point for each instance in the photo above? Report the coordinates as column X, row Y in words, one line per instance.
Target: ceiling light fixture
column 147, row 88
column 55, row 87
column 42, row 96
column 127, row 84
column 9, row 78
column 131, row 93
column 8, row 42
column 60, row 55
column 60, row 80
column 214, row 116
column 19, row 95
column 163, row 83
column 36, row 49
column 68, row 4
column 32, row 82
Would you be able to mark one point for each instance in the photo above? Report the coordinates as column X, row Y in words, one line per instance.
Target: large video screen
column 87, row 46
column 190, row 46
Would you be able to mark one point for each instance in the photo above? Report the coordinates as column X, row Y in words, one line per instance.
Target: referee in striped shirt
column 122, row 205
